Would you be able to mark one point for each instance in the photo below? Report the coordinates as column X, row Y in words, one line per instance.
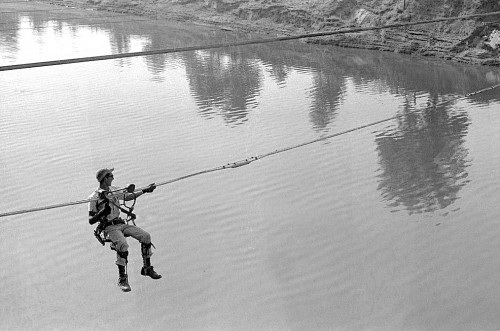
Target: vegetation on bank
column 475, row 41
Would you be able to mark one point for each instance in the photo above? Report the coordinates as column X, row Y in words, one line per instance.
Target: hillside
column 470, row 41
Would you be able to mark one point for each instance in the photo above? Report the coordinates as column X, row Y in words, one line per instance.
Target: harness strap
column 98, row 232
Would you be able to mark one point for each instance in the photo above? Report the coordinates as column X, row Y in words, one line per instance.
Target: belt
column 114, row 221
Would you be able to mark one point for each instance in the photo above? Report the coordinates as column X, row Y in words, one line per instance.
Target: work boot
column 149, row 271
column 123, row 279
column 123, row 283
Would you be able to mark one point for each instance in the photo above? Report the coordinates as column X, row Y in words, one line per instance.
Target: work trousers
column 117, row 233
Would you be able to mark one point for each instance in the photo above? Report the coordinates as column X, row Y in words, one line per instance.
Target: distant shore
column 470, row 43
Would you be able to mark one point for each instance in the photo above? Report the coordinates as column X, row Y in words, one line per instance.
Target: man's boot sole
column 125, row 289
column 143, row 272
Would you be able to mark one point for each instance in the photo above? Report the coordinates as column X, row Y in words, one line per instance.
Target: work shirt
column 114, row 198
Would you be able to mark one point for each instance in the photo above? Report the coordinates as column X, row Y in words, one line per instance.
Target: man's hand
column 106, row 211
column 94, row 218
column 150, row 188
column 103, row 213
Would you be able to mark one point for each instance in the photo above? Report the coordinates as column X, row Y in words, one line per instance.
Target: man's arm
column 92, row 218
column 135, row 195
column 131, row 196
column 96, row 217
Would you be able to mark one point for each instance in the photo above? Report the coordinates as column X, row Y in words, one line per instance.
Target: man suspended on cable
column 105, row 208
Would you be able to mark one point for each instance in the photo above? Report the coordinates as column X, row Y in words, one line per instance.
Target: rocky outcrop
column 473, row 41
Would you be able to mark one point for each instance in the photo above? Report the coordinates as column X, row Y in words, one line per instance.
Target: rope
column 251, row 159
column 370, row 124
column 231, row 44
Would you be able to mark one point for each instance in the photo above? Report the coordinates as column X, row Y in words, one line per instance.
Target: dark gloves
column 106, row 211
column 103, row 213
column 94, row 219
column 150, row 188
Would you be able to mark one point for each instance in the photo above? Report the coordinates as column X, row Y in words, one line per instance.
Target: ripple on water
column 377, row 228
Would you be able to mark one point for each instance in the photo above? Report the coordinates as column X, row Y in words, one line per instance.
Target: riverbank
column 475, row 41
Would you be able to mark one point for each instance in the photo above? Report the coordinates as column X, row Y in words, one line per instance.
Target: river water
column 391, row 227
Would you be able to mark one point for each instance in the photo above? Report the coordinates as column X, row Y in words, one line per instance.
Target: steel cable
column 254, row 158
column 232, row 44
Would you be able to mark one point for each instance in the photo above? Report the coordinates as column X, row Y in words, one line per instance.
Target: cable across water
column 249, row 160
column 232, row 44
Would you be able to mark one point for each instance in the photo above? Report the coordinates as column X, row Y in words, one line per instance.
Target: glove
column 93, row 219
column 150, row 188
column 106, row 211
column 103, row 213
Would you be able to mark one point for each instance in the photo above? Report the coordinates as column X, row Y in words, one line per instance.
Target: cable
column 232, row 44
column 370, row 124
column 251, row 159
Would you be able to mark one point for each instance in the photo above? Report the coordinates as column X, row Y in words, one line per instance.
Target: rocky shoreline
column 472, row 42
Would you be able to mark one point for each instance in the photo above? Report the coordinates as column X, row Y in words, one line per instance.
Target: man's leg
column 145, row 239
column 115, row 234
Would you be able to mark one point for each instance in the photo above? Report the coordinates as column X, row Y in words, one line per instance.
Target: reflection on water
column 423, row 160
column 307, row 239
column 326, row 94
column 223, row 83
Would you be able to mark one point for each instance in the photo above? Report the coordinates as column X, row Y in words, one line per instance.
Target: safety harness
column 104, row 222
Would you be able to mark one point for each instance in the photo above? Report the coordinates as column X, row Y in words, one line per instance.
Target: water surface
column 391, row 227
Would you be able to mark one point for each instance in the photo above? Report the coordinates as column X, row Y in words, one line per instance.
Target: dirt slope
column 471, row 41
